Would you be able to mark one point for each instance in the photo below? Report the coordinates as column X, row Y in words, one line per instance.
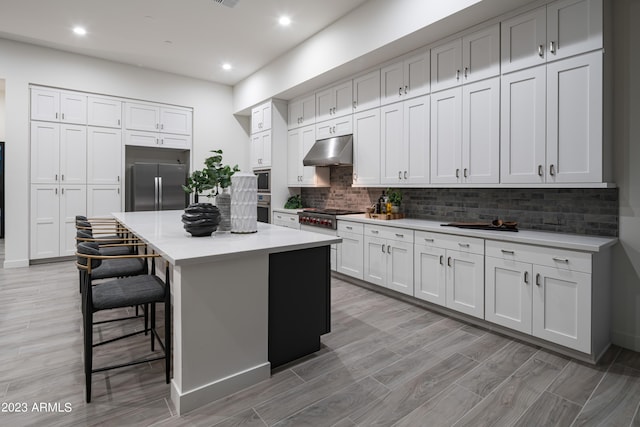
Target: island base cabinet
column 562, row 307
column 465, row 283
column 508, row 293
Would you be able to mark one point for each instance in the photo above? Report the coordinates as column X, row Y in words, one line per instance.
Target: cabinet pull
column 348, row 227
column 56, row 177
column 56, row 115
column 441, row 259
column 389, row 249
column 118, row 178
column 399, row 174
column 552, row 170
column 504, row 251
column 449, row 261
column 463, row 245
column 428, row 240
column 552, row 47
column 118, row 189
column 466, row 72
column 375, row 231
column 334, row 110
column 62, row 177
column 56, row 191
column 405, row 89
column 405, row 174
column 457, row 173
column 540, row 171
column 526, row 277
column 161, row 125
column 540, row 51
column 62, row 116
column 382, row 246
column 399, row 91
column 400, row 235
column 457, row 74
column 157, row 125
column 538, row 279
column 355, row 105
column 564, row 260
column 465, row 172
column 62, row 191
column 118, row 122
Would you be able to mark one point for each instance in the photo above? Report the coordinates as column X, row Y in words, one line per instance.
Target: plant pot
column 395, row 209
column 223, row 202
column 201, row 219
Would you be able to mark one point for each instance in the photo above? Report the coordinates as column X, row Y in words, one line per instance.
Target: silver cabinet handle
column 388, row 249
column 405, row 174
column 62, row 177
column 540, row 171
column 62, row 116
column 118, row 189
column 375, row 231
column 400, row 235
column 465, row 172
column 564, row 260
column 382, row 246
column 441, row 259
column 405, row 89
column 399, row 91
column 56, row 115
column 56, row 191
column 161, row 125
column 118, row 122
column 504, row 251
column 457, row 173
column 463, row 245
column 552, row 47
column 526, row 277
column 399, row 174
column 449, row 261
column 348, row 227
column 552, row 170
column 538, row 279
column 466, row 72
column 118, row 178
column 56, row 177
column 428, row 240
column 457, row 74
column 62, row 191
column 541, row 51
column 157, row 125
column 355, row 105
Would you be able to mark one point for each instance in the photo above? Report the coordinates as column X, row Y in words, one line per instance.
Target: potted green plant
column 198, row 182
column 395, row 198
column 219, row 174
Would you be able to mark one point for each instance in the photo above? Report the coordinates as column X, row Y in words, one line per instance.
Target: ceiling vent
column 228, row 3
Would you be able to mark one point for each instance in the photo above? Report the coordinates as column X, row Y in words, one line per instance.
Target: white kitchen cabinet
column 446, row 136
column 350, row 256
column 105, row 112
column 336, row 101
column 366, row 147
column 302, row 112
column 102, row 200
column 104, row 155
column 261, row 118
column 509, row 293
column 552, row 121
column 58, row 106
column 158, row 118
column 299, row 142
column 559, row 30
column 286, row 220
column 388, row 257
column 465, row 282
column 261, row 150
column 334, row 127
column 406, row 78
column 446, row 65
column 58, row 153
column 366, row 91
column 404, row 139
column 73, row 201
column 430, row 273
column 157, row 140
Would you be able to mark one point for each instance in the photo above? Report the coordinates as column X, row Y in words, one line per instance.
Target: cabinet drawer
column 350, row 227
column 471, row 245
column 551, row 257
column 391, row 233
column 286, row 220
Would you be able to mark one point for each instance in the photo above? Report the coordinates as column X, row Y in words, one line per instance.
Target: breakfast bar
column 239, row 308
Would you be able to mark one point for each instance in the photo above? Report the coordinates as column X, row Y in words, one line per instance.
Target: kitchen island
column 236, row 301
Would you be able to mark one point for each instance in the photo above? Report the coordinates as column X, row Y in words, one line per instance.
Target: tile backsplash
column 567, row 210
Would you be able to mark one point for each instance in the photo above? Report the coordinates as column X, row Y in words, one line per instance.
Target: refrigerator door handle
column 160, row 193
column 155, row 187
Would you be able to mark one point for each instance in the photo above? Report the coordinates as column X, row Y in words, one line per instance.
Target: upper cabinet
column 473, row 57
column 54, row 105
column 558, row 30
column 302, row 112
column 406, row 78
column 366, row 91
column 156, row 125
column 104, row 112
column 261, row 118
column 336, row 101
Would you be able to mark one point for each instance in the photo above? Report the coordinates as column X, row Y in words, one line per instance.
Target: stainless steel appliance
column 321, row 219
column 264, row 208
column 335, row 151
column 264, row 180
column 158, row 186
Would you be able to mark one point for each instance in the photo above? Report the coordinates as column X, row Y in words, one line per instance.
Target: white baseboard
column 16, row 263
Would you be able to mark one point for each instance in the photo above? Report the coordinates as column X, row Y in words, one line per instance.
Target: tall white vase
column 244, row 203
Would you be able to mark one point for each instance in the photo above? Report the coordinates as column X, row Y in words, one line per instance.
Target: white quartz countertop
column 541, row 238
column 164, row 232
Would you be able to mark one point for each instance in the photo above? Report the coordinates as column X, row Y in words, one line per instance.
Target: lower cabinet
column 388, row 257
column 102, row 200
column 449, row 271
column 286, row 220
column 351, row 251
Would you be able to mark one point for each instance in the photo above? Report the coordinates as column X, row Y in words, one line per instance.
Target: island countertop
column 164, row 232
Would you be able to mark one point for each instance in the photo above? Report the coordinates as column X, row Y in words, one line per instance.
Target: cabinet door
column 102, row 200
column 179, row 142
column 325, row 102
column 302, row 112
column 574, row 119
column 562, row 307
column 45, row 221
column 45, row 153
column 375, row 260
column 573, row 27
column 481, row 132
column 73, row 108
column 465, row 283
column 104, row 112
column 393, row 152
column 104, row 155
column 523, row 126
column 176, row 121
column 392, row 83
column 446, row 65
column 508, row 299
column 366, row 91
column 481, row 54
column 294, row 157
column 351, row 255
column 45, row 104
column 430, row 274
column 294, row 114
column 416, row 75
column 306, row 141
column 73, row 154
column 523, row 40
column 446, row 136
column 366, row 147
column 73, row 201
column 343, row 99
column 416, row 140
column 261, row 149
column 142, row 117
column 142, row 138
column 400, row 266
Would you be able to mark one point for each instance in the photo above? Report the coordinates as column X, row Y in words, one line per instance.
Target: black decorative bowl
column 201, row 219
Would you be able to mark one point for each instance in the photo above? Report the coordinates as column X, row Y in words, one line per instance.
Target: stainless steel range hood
column 330, row 152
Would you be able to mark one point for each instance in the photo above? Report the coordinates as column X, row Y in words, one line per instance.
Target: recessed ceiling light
column 81, row 31
column 285, row 21
column 226, row 66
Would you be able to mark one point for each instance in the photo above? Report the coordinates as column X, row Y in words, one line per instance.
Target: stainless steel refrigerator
column 158, row 186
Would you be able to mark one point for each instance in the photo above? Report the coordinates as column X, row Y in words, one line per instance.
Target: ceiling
column 187, row 37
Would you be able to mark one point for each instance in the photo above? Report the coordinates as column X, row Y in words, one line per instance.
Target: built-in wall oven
column 264, row 208
column 264, row 180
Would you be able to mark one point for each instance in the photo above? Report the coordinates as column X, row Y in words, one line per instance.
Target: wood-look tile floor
column 386, row 363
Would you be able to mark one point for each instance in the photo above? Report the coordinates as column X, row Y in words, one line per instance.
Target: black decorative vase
column 201, row 219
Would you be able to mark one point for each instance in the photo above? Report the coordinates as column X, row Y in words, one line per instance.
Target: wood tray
column 385, row 216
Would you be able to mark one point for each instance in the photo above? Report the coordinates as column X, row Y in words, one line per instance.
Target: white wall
column 2, row 113
column 215, row 126
column 626, row 113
